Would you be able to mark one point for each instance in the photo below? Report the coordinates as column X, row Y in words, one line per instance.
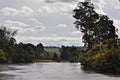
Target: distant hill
column 52, row 49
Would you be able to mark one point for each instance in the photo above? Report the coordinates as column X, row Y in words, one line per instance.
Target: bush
column 28, row 58
column 2, row 57
column 102, row 59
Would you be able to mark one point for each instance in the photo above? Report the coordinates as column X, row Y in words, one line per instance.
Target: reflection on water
column 49, row 71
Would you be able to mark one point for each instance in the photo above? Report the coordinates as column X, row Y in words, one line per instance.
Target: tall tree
column 96, row 28
column 7, row 41
column 6, row 34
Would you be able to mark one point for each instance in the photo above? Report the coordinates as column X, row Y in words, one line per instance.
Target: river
column 50, row 71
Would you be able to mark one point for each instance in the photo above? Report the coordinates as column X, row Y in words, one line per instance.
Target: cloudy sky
column 50, row 21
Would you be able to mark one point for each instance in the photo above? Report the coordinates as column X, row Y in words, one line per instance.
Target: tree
column 40, row 46
column 6, row 34
column 7, row 41
column 70, row 53
column 64, row 53
column 96, row 28
column 55, row 57
column 39, row 49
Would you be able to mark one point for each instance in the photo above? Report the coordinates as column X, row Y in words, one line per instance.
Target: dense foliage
column 102, row 59
column 27, row 52
column 70, row 53
column 96, row 28
column 2, row 57
column 11, row 52
column 100, row 38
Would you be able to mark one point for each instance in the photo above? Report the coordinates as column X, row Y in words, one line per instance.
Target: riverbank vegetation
column 102, row 59
column 13, row 52
column 100, row 39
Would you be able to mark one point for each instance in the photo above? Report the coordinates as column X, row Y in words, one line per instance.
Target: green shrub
column 102, row 59
column 2, row 57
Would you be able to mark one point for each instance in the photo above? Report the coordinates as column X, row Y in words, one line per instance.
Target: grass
column 52, row 50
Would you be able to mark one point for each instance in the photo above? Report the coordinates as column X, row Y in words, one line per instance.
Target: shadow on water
column 7, row 69
column 104, row 74
column 12, row 67
column 6, row 77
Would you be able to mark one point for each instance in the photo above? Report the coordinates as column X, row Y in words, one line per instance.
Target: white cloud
column 16, row 28
column 35, row 21
column 28, row 30
column 53, row 1
column 117, row 7
column 54, row 35
column 54, row 40
column 117, row 24
column 9, row 11
column 37, row 1
column 31, row 30
column 41, row 27
column 50, row 38
column 71, row 43
column 48, row 9
column 10, row 23
column 101, row 5
column 76, row 32
column 22, row 27
column 24, row 11
column 61, row 25
column 58, row 9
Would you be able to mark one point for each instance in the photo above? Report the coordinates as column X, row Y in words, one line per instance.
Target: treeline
column 100, row 39
column 13, row 52
column 68, row 54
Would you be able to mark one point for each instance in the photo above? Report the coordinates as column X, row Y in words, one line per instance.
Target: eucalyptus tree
column 96, row 28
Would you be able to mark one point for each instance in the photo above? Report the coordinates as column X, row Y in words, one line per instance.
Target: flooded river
column 50, row 71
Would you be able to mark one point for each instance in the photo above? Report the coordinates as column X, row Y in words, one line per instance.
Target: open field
column 52, row 49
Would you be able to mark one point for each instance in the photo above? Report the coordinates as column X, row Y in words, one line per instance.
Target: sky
column 50, row 22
